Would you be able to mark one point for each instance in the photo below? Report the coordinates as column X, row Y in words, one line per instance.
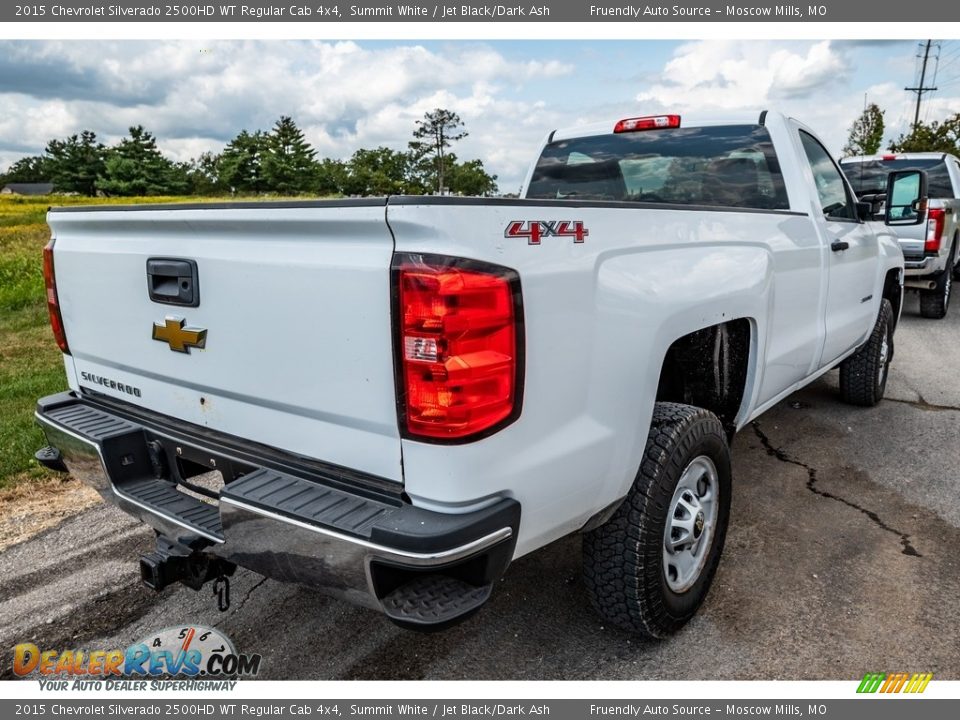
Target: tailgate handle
column 173, row 281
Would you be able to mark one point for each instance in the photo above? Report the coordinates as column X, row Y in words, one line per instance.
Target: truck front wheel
column 863, row 375
column 649, row 567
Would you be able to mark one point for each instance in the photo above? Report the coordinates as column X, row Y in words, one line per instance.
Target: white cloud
column 195, row 96
column 812, row 81
column 732, row 75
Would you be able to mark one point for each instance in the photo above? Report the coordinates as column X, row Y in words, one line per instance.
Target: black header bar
column 317, row 13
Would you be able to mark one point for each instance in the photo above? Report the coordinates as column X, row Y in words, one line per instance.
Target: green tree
column 866, row 133
column 331, row 177
column 241, row 163
column 935, row 137
column 381, row 171
column 135, row 167
column 432, row 136
column 469, row 178
column 203, row 175
column 289, row 165
column 76, row 162
column 27, row 170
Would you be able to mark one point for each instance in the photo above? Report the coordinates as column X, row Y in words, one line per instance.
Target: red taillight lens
column 459, row 346
column 53, row 304
column 935, row 221
column 649, row 122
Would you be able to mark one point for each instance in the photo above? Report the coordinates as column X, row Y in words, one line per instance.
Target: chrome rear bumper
column 922, row 266
column 375, row 551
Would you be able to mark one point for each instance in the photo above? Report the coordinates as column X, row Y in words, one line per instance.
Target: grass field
column 30, row 362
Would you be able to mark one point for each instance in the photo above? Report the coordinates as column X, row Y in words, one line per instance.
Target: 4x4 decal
column 534, row 230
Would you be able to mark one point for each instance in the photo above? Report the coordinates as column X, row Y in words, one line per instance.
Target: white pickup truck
column 402, row 395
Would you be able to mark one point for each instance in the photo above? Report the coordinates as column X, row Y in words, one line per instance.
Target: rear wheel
column 935, row 301
column 649, row 567
column 863, row 375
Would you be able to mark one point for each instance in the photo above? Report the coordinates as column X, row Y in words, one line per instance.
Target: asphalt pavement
column 841, row 558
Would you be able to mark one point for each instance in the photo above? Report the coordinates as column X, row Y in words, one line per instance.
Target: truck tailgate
column 295, row 302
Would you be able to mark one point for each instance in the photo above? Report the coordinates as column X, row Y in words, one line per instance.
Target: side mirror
column 906, row 198
column 865, row 211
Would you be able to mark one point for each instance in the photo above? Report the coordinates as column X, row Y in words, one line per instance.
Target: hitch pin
column 221, row 588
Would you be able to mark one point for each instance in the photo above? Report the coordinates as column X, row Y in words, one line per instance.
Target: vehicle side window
column 835, row 200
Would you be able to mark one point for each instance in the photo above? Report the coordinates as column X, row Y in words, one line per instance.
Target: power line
column 920, row 89
column 952, row 51
column 950, row 57
column 936, row 72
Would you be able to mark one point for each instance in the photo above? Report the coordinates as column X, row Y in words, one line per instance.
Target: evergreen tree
column 33, row 169
column 76, row 162
column 289, row 166
column 866, row 133
column 135, row 167
column 241, row 164
column 432, row 136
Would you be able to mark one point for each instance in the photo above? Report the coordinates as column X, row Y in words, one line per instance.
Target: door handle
column 838, row 245
column 173, row 281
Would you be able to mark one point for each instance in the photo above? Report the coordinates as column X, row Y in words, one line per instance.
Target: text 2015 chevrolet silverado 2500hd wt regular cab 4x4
column 402, row 395
column 930, row 249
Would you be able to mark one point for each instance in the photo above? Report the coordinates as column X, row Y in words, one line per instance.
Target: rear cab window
column 723, row 166
column 869, row 177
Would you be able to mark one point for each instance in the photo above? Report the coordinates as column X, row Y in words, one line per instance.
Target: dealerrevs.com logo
column 204, row 656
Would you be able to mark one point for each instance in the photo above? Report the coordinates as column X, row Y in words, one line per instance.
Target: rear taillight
column 935, row 221
column 648, row 122
column 53, row 303
column 460, row 346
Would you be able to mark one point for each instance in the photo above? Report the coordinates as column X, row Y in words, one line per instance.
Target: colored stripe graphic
column 871, row 682
column 918, row 686
column 894, row 682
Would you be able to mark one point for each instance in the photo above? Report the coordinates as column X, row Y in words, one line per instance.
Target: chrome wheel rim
column 884, row 357
column 946, row 288
column 691, row 524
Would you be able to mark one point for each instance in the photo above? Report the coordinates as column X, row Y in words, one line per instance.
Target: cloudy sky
column 195, row 96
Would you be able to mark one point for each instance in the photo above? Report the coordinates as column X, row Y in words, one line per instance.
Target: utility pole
column 921, row 89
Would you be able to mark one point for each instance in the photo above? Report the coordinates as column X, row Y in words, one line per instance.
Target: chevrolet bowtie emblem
column 178, row 337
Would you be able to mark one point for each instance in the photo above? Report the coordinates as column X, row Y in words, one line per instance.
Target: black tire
column 863, row 375
column 623, row 559
column 935, row 302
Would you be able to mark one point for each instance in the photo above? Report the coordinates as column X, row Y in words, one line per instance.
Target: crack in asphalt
column 782, row 455
column 239, row 605
column 922, row 404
